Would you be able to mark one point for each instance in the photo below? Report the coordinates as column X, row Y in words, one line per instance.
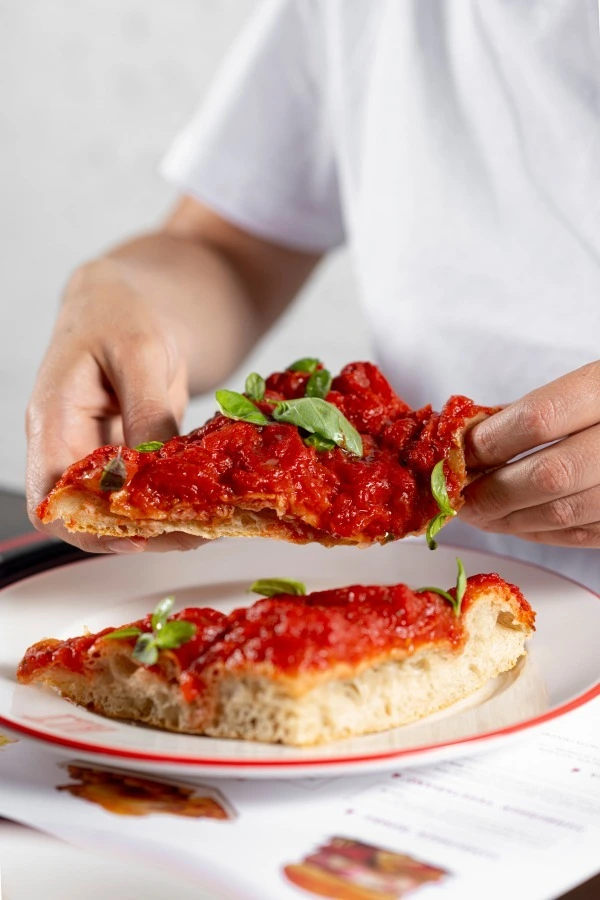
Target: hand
column 114, row 373
column 551, row 496
column 178, row 307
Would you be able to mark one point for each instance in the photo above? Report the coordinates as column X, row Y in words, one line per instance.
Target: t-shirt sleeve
column 259, row 150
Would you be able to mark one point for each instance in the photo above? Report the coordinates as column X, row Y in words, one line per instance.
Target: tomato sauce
column 383, row 495
column 290, row 635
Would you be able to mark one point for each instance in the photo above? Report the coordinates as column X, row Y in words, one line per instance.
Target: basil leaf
column 270, row 587
column 114, row 474
column 461, row 584
column 174, row 634
column 236, row 406
column 128, row 631
column 306, row 364
column 255, row 386
column 319, row 384
column 388, row 537
column 436, row 590
column 318, row 442
column 161, row 613
column 145, row 650
column 149, row 446
column 439, row 489
column 435, row 525
column 322, row 418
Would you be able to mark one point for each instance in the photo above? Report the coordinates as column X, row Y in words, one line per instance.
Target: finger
column 112, row 432
column 582, row 508
column 177, row 540
column 90, row 542
column 584, row 536
column 56, row 438
column 565, row 468
column 65, row 419
column 111, row 427
column 564, row 406
column 179, row 395
column 139, row 372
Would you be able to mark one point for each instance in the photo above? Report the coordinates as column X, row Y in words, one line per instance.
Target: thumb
column 141, row 380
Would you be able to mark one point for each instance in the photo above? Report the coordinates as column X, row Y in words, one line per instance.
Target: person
column 453, row 147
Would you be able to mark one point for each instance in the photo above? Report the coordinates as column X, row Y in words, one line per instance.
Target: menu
column 520, row 822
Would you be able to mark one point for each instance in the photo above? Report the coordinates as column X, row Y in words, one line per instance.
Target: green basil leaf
column 306, row 364
column 149, row 446
column 128, row 631
column 174, row 634
column 161, row 613
column 114, row 474
column 236, row 406
column 319, row 384
column 439, row 489
column 145, row 650
column 255, row 386
column 322, row 418
column 319, row 443
column 461, row 584
column 388, row 537
column 444, row 594
column 434, row 527
column 435, row 590
column 270, row 587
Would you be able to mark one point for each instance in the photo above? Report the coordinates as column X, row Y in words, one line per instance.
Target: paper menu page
column 521, row 822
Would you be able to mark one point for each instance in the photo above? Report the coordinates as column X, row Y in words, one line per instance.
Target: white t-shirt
column 455, row 146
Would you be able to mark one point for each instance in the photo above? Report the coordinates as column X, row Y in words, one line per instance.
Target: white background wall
column 91, row 95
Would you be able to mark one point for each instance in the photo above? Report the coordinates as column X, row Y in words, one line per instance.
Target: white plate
column 559, row 673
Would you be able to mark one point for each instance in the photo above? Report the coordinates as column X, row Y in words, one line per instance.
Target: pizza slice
column 294, row 668
column 301, row 457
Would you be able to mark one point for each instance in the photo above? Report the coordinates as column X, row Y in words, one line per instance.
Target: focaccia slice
column 234, row 477
column 299, row 670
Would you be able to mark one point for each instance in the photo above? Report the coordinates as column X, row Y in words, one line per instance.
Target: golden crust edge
column 88, row 513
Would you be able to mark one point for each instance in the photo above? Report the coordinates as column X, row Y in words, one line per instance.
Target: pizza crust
column 340, row 702
column 90, row 513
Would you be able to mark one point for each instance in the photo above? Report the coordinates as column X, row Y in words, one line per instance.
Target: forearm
column 190, row 288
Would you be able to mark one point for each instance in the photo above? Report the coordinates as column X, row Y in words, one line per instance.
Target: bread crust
column 88, row 512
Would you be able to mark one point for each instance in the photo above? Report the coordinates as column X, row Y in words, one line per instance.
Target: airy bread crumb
column 339, row 702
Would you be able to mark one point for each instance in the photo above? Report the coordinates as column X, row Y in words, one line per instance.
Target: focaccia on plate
column 297, row 670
